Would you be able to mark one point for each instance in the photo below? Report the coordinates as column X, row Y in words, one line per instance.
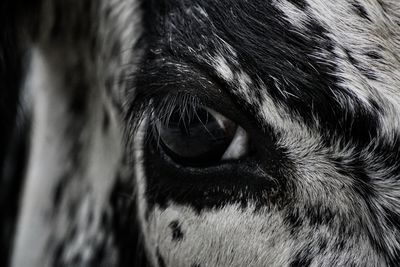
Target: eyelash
column 162, row 109
column 151, row 108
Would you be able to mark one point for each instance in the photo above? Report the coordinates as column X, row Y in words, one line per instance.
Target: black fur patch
column 177, row 233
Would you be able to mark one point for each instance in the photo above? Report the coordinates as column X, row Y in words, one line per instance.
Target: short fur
column 313, row 82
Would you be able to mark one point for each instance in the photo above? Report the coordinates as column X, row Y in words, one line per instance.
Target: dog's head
column 270, row 133
column 237, row 133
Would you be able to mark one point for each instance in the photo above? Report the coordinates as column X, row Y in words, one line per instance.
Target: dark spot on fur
column 195, row 265
column 176, row 231
column 107, row 12
column 319, row 215
column 370, row 74
column 78, row 87
column 58, row 192
column 106, row 120
column 317, row 29
column 293, row 221
column 383, row 5
column 60, row 188
column 352, row 60
column 78, row 102
column 354, row 167
column 392, row 217
column 301, row 4
column 323, row 243
column 376, row 106
column 302, row 259
column 360, row 10
column 373, row 55
column 58, row 255
column 340, row 245
column 160, row 259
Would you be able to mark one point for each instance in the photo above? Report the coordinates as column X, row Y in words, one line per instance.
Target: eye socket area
column 199, row 136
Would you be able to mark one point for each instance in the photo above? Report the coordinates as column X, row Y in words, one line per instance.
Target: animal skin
column 313, row 85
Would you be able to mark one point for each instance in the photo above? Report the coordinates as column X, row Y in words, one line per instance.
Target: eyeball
column 200, row 137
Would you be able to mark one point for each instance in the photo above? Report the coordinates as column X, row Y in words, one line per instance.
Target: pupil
column 195, row 137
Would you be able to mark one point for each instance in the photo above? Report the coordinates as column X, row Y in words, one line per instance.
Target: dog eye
column 200, row 137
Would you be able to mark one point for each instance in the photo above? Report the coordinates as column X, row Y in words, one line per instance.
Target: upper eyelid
column 164, row 74
column 156, row 84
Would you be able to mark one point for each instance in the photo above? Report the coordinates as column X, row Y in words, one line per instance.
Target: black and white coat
column 314, row 84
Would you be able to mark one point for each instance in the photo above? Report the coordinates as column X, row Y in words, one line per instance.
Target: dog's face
column 270, row 133
column 236, row 132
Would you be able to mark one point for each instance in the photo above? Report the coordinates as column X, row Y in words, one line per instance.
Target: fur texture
column 314, row 83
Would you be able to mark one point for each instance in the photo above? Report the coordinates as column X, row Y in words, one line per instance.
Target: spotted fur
column 314, row 83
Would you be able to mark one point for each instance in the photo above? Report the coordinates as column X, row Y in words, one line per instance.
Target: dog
column 206, row 133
